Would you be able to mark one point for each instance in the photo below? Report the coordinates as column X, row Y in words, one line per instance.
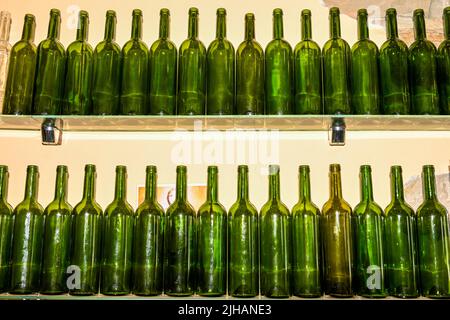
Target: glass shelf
column 213, row 123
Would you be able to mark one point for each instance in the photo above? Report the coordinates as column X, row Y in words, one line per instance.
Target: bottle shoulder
column 444, row 47
column 278, row 45
column 336, row 206
column 242, row 207
column 53, row 45
column 78, row 46
column 220, row 45
column 149, row 208
column 431, row 208
column 272, row 207
column 422, row 47
column 398, row 208
column 180, row 208
column 250, row 48
column 307, row 46
column 134, row 45
column 29, row 206
column 209, row 208
column 393, row 45
column 24, row 48
column 192, row 44
column 6, row 208
column 163, row 44
column 119, row 208
column 305, row 208
column 365, row 46
column 333, row 44
column 87, row 208
column 107, row 46
column 367, row 208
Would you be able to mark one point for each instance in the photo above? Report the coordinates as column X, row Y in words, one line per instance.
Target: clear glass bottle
column 5, row 51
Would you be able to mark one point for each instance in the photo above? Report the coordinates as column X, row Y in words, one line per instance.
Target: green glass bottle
column 250, row 97
column 367, row 224
column 423, row 69
column 106, row 71
column 443, row 62
column 180, row 242
column 118, row 230
column 364, row 76
column 306, row 275
column 279, row 78
column 57, row 235
column 21, row 71
column 192, row 71
column 336, row 240
column 133, row 94
column 275, row 237
column 433, row 240
column 212, row 241
column 5, row 52
column 78, row 83
column 163, row 70
column 148, row 241
column 6, row 231
column 394, row 70
column 220, row 71
column 336, row 59
column 86, row 239
column 27, row 238
column 307, row 71
column 243, row 242
column 50, row 70
column 400, row 242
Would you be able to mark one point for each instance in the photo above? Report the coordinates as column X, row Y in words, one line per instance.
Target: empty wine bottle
column 212, row 241
column 106, row 71
column 133, row 94
column 336, row 69
column 77, row 87
column 307, row 71
column 400, row 242
column 367, row 223
column 148, row 241
column 364, row 76
column 433, row 240
column 180, row 242
column 163, row 70
column 279, row 78
column 21, row 71
column 306, row 273
column 27, row 238
column 275, row 237
column 423, row 69
column 84, row 270
column 57, row 235
column 5, row 52
column 250, row 96
column 336, row 240
column 118, row 240
column 443, row 61
column 50, row 70
column 6, row 231
column 220, row 71
column 394, row 69
column 192, row 71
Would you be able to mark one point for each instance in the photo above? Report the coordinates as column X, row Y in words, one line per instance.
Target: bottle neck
column 193, row 26
column 136, row 27
column 335, row 26
column 446, row 20
column 89, row 185
column 164, row 25
column 4, row 175
column 363, row 29
column 83, row 27
column 366, row 185
column 110, row 27
column 305, row 186
column 419, row 26
column 391, row 25
column 54, row 25
column 121, row 184
column 335, row 185
column 31, row 186
column 5, row 26
column 181, row 185
column 278, row 26
column 274, row 186
column 29, row 27
column 150, row 184
column 429, row 184
column 61, row 184
column 397, row 193
column 249, row 27
column 212, row 185
column 242, row 184
column 306, row 26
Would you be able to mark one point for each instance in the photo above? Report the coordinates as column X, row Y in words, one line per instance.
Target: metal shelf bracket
column 336, row 132
column 51, row 131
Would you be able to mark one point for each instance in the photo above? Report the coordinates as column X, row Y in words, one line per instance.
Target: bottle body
column 6, row 232
column 443, row 62
column 5, row 52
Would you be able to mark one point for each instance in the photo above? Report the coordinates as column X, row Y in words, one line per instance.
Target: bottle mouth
column 213, row 169
column 29, row 17
column 83, row 13
column 396, row 168
column 89, row 167
column 418, row 12
column 306, row 12
column 3, row 169
column 335, row 167
column 32, row 168
column 334, row 11
column 121, row 168
column 110, row 13
column 303, row 169
column 249, row 16
column 193, row 12
column 151, row 169
column 446, row 11
column 55, row 12
column 362, row 12
column 391, row 11
column 243, row 168
column 274, row 169
column 61, row 168
column 428, row 168
column 365, row 167
column 277, row 12
column 181, row 169
column 164, row 11
column 221, row 12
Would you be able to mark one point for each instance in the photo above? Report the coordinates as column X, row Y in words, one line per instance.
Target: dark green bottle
column 86, row 239
column 395, row 97
column 27, row 238
column 106, row 71
column 336, row 57
column 6, row 231
column 56, row 249
column 306, row 275
column 275, row 237
column 433, row 240
column 21, row 71
column 163, row 70
column 78, row 83
column 423, row 69
column 192, row 71
column 279, row 78
column 118, row 230
column 220, row 71
column 243, row 242
column 212, row 241
column 180, row 242
column 250, row 95
column 307, row 71
column 133, row 94
column 367, row 224
column 364, row 75
column 50, row 70
column 336, row 240
column 148, row 241
column 443, row 60
column 400, row 242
